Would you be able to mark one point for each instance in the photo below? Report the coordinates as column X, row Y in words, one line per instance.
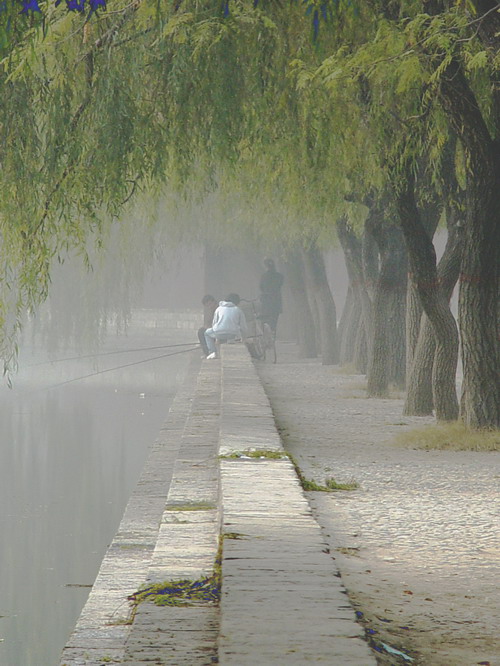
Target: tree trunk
column 422, row 259
column 387, row 352
column 479, row 297
column 430, row 211
column 418, row 399
column 348, row 326
column 480, row 279
column 419, row 391
column 479, row 301
column 346, row 313
column 361, row 351
column 302, row 316
column 353, row 254
column 319, row 288
column 414, row 323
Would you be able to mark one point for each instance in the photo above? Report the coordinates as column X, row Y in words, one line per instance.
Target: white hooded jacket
column 229, row 319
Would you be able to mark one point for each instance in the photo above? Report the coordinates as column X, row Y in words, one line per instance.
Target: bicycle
column 261, row 340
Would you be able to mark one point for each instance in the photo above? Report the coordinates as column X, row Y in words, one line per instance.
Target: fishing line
column 119, row 367
column 118, row 351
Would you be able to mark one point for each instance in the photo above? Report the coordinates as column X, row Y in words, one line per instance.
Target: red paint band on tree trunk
column 474, row 279
column 431, row 284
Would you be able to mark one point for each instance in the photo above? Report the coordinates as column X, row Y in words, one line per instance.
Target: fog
column 76, row 427
column 80, row 417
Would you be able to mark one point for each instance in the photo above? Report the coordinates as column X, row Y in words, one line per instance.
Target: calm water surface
column 70, row 456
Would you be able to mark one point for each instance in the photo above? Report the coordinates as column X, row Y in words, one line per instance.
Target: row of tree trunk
column 397, row 326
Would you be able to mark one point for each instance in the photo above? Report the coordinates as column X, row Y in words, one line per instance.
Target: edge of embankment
column 201, row 502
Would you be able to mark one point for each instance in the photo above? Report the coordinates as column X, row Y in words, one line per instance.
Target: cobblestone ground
column 417, row 543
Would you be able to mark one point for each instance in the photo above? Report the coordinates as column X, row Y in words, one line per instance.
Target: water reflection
column 69, row 459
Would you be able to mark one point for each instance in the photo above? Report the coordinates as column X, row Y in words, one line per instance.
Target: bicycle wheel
column 259, row 351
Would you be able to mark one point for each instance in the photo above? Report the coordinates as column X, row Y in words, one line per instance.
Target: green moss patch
column 181, row 592
column 191, row 506
column 255, row 454
column 185, row 592
column 330, row 484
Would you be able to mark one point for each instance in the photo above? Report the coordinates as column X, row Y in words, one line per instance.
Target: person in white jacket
column 229, row 323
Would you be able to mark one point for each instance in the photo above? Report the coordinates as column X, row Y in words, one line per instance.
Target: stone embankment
column 209, row 509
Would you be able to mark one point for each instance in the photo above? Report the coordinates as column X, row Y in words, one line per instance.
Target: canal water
column 70, row 455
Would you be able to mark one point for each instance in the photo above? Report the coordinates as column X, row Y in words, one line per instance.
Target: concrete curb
column 282, row 599
column 103, row 626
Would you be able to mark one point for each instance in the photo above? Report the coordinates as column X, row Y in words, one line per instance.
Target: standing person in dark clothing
column 209, row 307
column 270, row 294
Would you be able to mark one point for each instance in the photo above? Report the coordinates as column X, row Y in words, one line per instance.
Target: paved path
column 417, row 545
column 282, row 599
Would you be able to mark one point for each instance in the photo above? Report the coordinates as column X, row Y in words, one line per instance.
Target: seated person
column 229, row 323
column 209, row 307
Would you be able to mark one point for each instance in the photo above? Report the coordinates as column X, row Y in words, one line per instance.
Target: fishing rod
column 118, row 351
column 119, row 367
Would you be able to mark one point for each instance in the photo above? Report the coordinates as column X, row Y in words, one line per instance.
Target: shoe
column 211, row 356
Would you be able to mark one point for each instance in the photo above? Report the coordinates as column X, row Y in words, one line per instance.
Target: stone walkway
column 282, row 599
column 417, row 544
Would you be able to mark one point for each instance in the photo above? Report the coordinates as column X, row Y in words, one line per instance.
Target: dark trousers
column 201, row 338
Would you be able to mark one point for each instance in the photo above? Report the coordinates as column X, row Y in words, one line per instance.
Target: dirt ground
column 417, row 544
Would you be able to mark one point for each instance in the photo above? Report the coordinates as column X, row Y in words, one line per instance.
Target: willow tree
column 153, row 94
column 469, row 90
column 445, row 62
column 456, row 49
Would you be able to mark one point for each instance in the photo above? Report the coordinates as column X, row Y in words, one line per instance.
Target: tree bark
column 318, row 287
column 414, row 323
column 419, row 400
column 430, row 213
column 480, row 276
column 348, row 326
column 346, row 314
column 353, row 254
column 361, row 351
column 387, row 348
column 422, row 260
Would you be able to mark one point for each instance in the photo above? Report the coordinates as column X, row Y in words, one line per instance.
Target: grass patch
column 450, row 437
column 330, row 484
column 185, row 592
column 254, row 453
column 310, row 485
column 181, row 592
column 195, row 506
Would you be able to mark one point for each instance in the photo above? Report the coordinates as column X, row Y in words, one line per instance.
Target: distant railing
column 158, row 318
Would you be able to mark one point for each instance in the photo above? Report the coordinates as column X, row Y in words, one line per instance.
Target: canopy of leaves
column 290, row 112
